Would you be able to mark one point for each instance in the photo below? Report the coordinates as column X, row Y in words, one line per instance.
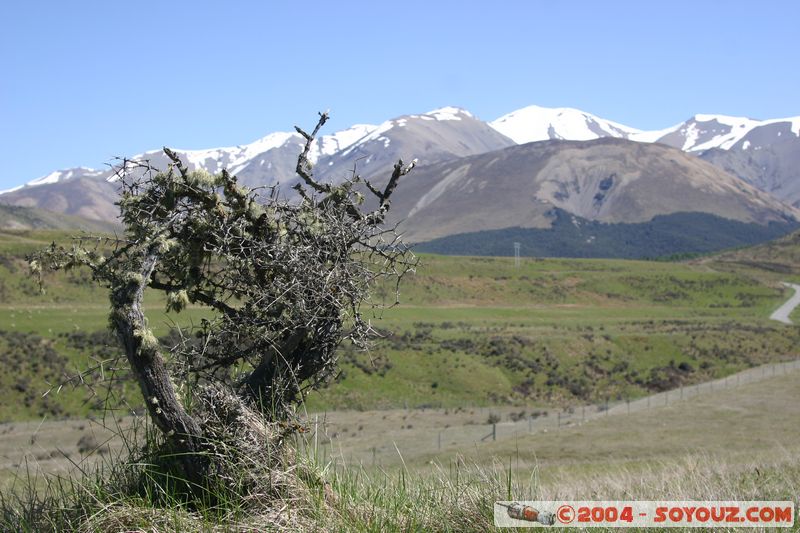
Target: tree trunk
column 142, row 351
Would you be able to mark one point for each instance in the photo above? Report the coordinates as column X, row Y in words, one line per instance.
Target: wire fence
column 390, row 445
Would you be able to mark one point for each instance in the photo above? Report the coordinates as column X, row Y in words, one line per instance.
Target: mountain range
column 513, row 172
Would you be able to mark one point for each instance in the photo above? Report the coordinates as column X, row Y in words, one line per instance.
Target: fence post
column 494, row 431
column 628, row 401
column 648, row 402
column 559, row 420
column 373, row 455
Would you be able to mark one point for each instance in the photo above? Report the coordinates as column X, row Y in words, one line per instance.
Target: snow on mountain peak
column 62, row 175
column 58, row 176
column 376, row 133
column 448, row 113
column 341, row 140
column 795, row 122
column 528, row 124
column 535, row 123
column 235, row 157
column 723, row 119
column 703, row 132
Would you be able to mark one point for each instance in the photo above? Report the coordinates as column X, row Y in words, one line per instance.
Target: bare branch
column 303, row 168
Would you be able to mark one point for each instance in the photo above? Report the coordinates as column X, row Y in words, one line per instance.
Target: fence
column 381, row 444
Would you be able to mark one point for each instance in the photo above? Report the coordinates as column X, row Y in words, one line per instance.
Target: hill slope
column 572, row 236
column 15, row 218
column 605, row 180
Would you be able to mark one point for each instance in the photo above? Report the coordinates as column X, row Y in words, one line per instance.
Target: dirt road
column 782, row 313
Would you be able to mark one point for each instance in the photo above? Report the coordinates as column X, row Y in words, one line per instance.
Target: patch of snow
column 448, row 113
column 722, row 119
column 373, row 135
column 18, row 187
column 330, row 144
column 236, row 157
column 691, row 133
column 654, row 135
column 746, row 145
column 53, row 177
column 60, row 175
column 795, row 122
column 534, row 123
column 740, row 127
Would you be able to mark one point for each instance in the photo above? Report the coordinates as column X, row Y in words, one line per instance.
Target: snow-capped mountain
column 445, row 133
column 705, row 132
column 534, row 123
column 233, row 158
column 372, row 150
column 765, row 154
column 697, row 134
column 59, row 175
column 768, row 157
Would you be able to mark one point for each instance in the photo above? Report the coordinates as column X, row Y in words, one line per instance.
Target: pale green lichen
column 146, row 338
column 79, row 255
column 201, row 178
column 164, row 245
column 254, row 210
column 133, row 278
column 177, row 300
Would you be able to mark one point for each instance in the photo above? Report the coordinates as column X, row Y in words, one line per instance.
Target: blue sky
column 82, row 82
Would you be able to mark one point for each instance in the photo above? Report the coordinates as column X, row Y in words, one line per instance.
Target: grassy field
column 468, row 331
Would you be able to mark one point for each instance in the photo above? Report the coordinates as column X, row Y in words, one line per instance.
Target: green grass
column 475, row 331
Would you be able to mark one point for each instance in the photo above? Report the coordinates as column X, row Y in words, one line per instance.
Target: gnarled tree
column 285, row 281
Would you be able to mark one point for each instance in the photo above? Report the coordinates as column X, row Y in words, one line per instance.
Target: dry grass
column 743, row 447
